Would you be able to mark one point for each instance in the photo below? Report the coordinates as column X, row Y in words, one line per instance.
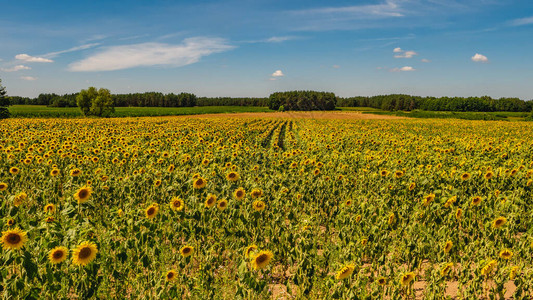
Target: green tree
column 4, row 102
column 95, row 102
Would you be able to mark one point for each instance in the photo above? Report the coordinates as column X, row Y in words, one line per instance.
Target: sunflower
column 487, row 269
column 151, row 211
column 157, row 183
column 448, row 247
column 412, row 186
column 345, row 272
column 489, row 175
column 83, row 194
column 171, row 275
column 249, row 251
column 450, row 201
column 177, row 204
column 239, row 193
column 10, row 222
column 210, row 201
column 476, row 200
column 446, row 269
column 54, row 172
column 499, row 222
column 222, row 204
column 233, row 176
column 256, row 193
column 3, row 186
column 199, row 183
column 14, row 170
column 384, row 173
column 364, row 242
column 391, row 219
column 58, row 254
column 407, row 278
column 382, row 281
column 428, row 199
column 13, row 239
column 465, row 176
column 398, row 174
column 75, row 172
column 506, row 254
column 186, row 251
column 316, row 172
column 50, row 208
column 259, row 205
column 261, row 259
column 458, row 213
column 358, row 218
column 513, row 272
column 171, row 168
column 348, row 202
column 84, row 253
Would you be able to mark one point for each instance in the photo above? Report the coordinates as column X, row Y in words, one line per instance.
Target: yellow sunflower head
column 499, row 222
column 210, row 201
column 233, row 176
column 199, row 183
column 14, row 170
column 465, row 176
column 177, row 204
column 412, row 186
column 256, row 193
column 239, row 193
column 58, row 254
column 13, row 239
column 84, row 253
column 75, row 172
column 171, row 275
column 506, row 254
column 50, row 208
column 458, row 213
column 186, row 251
column 249, row 251
column 54, row 172
column 345, row 272
column 261, row 259
column 476, row 200
column 407, row 278
column 259, row 205
column 151, row 211
column 157, row 183
column 3, row 186
column 446, row 269
column 222, row 204
column 448, row 246
column 382, row 281
column 489, row 267
column 83, row 194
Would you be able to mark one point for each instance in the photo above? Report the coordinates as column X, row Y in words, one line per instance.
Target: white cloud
column 77, row 48
column 335, row 66
column 403, row 53
column 403, row 69
column 16, row 68
column 28, row 58
column 522, row 21
column 151, row 54
column 29, row 78
column 480, row 58
column 387, row 9
column 279, row 39
column 425, row 60
column 278, row 73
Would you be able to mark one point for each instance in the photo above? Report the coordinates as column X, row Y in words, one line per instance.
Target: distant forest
column 384, row 102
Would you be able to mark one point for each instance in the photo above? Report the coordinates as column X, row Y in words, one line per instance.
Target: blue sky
column 255, row 47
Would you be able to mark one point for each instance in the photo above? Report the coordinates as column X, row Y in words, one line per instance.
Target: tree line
column 408, row 102
column 302, row 100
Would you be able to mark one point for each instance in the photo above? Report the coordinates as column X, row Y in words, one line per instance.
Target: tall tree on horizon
column 4, row 102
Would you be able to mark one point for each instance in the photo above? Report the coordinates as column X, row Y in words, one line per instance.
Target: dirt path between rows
column 300, row 115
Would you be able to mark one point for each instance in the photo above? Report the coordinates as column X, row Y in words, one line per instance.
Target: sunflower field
column 246, row 208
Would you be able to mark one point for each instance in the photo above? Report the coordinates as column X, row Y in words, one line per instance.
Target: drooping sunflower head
column 256, row 193
column 186, row 251
column 446, row 269
column 259, row 205
column 489, row 267
column 84, row 253
column 3, row 186
column 239, row 193
column 210, row 201
column 233, row 176
column 428, row 199
column 199, row 183
column 50, row 208
column 58, row 254
column 13, row 239
column 261, row 259
column 151, row 211
column 392, row 219
column 83, row 194
column 506, row 254
column 222, row 204
column 499, row 222
column 177, row 204
column 407, row 278
column 345, row 272
column 171, row 275
column 458, row 213
column 448, row 246
column 249, row 251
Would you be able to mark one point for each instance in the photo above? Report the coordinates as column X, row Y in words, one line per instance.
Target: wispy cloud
column 425, row 60
column 279, row 39
column 28, row 78
column 403, row 53
column 522, row 21
column 77, row 48
column 479, row 58
column 386, row 9
column 16, row 68
column 403, row 69
column 151, row 54
column 29, row 58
